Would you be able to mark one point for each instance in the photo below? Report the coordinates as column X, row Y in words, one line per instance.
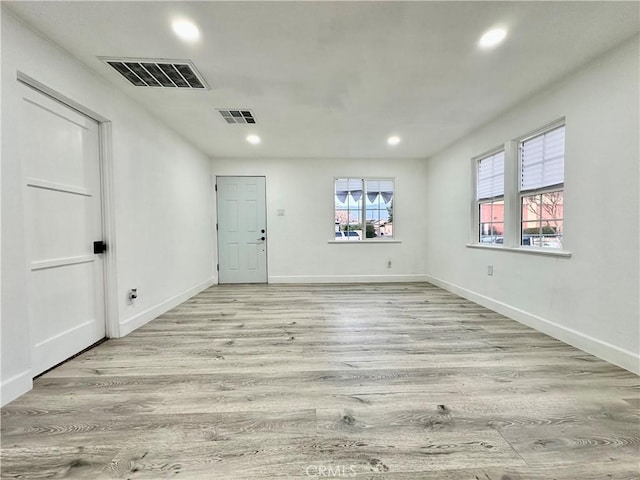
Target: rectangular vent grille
column 158, row 73
column 241, row 116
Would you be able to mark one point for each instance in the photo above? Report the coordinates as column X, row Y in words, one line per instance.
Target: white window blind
column 542, row 160
column 491, row 176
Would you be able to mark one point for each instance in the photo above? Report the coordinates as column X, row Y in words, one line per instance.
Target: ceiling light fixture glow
column 394, row 140
column 186, row 30
column 492, row 38
column 253, row 139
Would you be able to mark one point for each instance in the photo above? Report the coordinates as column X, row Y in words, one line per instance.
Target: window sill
column 356, row 242
column 531, row 251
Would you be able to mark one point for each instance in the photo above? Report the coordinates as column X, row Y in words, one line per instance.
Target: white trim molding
column 363, row 242
column 603, row 350
column 41, row 87
column 129, row 325
column 109, row 231
column 529, row 250
column 13, row 387
column 347, row 278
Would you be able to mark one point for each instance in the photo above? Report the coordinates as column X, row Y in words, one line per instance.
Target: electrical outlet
column 490, row 270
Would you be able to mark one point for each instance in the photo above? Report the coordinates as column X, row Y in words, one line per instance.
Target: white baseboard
column 13, row 387
column 606, row 351
column 347, row 278
column 130, row 324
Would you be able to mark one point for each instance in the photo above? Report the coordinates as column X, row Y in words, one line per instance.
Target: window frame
column 478, row 202
column 382, row 239
column 512, row 239
column 546, row 189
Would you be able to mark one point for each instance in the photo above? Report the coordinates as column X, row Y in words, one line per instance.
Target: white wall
column 298, row 245
column 163, row 210
column 591, row 299
column 162, row 197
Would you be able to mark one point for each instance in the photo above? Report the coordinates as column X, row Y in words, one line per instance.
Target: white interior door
column 242, row 230
column 63, row 218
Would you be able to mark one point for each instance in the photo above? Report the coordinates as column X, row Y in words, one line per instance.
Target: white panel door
column 63, row 217
column 242, row 230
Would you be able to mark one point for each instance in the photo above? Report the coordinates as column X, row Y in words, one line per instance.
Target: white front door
column 242, row 230
column 63, row 218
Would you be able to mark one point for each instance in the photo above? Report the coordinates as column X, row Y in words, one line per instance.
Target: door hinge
column 216, row 187
column 216, row 227
column 217, row 267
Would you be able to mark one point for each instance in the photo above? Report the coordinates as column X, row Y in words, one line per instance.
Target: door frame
column 266, row 222
column 105, row 154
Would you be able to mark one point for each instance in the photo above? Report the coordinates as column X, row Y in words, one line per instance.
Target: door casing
column 112, row 326
column 224, row 277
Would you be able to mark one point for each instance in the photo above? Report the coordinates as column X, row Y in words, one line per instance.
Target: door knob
column 99, row 247
column 261, row 238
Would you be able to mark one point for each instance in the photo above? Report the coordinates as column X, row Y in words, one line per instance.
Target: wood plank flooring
column 381, row 381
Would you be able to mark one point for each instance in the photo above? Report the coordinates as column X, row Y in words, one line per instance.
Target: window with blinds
column 542, row 160
column 542, row 189
column 491, row 176
column 363, row 209
column 490, row 197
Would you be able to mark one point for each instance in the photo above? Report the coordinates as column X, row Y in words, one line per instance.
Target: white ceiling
column 335, row 79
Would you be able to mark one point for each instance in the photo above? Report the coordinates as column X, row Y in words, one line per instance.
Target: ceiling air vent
column 241, row 116
column 158, row 73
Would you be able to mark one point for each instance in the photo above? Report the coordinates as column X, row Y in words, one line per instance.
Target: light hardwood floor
column 384, row 381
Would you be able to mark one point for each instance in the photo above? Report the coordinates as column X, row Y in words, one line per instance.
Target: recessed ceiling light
column 186, row 30
column 253, row 139
column 492, row 38
column 393, row 140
